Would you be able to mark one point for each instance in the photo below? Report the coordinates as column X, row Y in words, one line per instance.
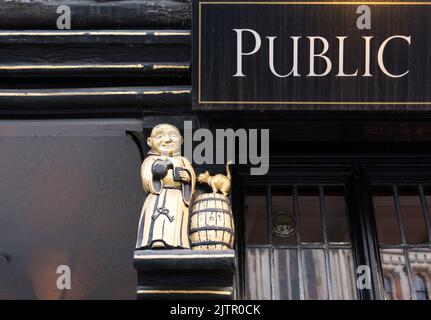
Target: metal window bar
column 406, row 246
column 403, row 241
column 298, row 242
column 271, row 250
column 349, row 224
column 325, row 241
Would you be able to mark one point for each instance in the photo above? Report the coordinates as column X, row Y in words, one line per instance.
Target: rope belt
column 172, row 187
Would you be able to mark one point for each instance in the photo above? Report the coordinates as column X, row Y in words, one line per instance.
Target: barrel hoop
column 209, row 210
column 209, row 228
column 211, row 243
column 211, row 199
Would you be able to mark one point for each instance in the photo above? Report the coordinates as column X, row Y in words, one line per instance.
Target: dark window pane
column 395, row 269
column 427, row 190
column 315, row 284
column 386, row 218
column 309, row 211
column 286, row 274
column 256, row 227
column 412, row 213
column 257, row 275
column 336, row 217
column 283, row 221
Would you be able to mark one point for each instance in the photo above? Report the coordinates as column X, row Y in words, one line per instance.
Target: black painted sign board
column 312, row 55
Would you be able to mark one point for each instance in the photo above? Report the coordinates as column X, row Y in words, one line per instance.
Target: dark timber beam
column 184, row 274
column 95, row 53
column 118, row 98
column 150, row 37
column 126, row 69
column 91, row 14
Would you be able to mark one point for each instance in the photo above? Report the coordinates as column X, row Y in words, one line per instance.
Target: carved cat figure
column 219, row 182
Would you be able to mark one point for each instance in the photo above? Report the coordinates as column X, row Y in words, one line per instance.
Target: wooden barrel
column 211, row 223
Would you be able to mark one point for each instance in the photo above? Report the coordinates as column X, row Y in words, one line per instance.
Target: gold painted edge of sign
column 178, row 256
column 152, row 291
column 322, row 2
column 300, row 102
column 321, row 102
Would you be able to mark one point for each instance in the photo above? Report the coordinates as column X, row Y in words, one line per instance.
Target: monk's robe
column 164, row 218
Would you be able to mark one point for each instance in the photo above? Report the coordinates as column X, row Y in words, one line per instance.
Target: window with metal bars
column 297, row 243
column 403, row 217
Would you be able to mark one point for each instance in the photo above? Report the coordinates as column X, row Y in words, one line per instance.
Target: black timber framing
column 363, row 232
column 184, row 274
column 96, row 14
column 126, row 98
column 82, row 73
column 94, row 53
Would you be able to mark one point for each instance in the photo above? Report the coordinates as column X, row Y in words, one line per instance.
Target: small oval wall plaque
column 283, row 224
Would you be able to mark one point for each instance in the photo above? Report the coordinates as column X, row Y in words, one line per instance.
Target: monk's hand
column 184, row 175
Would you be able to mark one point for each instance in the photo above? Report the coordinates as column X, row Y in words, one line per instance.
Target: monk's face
column 165, row 140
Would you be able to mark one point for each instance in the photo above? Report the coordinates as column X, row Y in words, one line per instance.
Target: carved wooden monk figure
column 170, row 181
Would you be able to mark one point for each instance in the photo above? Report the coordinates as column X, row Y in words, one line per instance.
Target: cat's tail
column 228, row 170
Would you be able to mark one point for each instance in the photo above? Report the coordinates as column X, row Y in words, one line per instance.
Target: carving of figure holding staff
column 169, row 180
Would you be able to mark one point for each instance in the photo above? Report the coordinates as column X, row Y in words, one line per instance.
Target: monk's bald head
column 165, row 139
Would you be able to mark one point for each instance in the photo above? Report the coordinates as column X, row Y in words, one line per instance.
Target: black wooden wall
column 119, row 58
